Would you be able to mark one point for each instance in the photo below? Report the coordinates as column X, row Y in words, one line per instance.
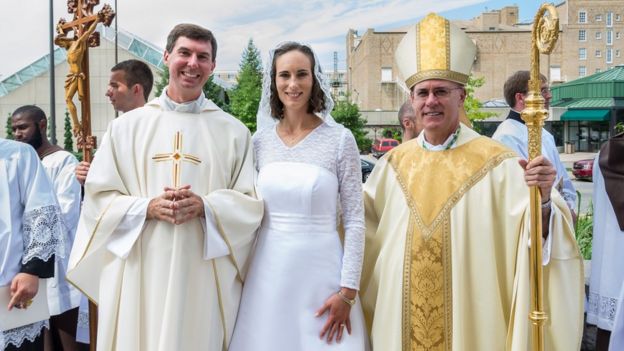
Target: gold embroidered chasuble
column 447, row 234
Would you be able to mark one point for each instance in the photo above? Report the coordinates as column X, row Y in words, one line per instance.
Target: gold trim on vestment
column 427, row 277
column 97, row 225
column 227, row 242
column 221, row 309
column 433, row 37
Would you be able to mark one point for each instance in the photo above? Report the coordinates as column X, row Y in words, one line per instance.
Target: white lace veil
column 264, row 118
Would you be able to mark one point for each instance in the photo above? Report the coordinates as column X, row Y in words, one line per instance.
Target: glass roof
column 137, row 46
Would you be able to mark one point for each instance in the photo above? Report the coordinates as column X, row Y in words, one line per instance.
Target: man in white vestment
column 29, row 125
column 514, row 133
column 607, row 276
column 31, row 238
column 129, row 87
column 169, row 214
column 446, row 264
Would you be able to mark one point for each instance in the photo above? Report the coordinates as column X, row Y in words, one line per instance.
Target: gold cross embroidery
column 177, row 157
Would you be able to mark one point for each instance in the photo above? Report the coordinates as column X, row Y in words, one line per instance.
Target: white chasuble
column 169, row 287
column 446, row 263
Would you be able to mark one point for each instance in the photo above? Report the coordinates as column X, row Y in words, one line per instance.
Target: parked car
column 383, row 145
column 582, row 169
column 367, row 168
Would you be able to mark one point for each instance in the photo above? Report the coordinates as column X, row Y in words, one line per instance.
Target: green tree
column 163, row 82
column 245, row 97
column 213, row 91
column 472, row 105
column 68, row 142
column 348, row 114
column 9, row 128
column 217, row 94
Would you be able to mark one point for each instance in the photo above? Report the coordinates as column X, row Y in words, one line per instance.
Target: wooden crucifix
column 83, row 27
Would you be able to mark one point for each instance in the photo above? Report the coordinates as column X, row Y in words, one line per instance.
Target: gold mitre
column 435, row 49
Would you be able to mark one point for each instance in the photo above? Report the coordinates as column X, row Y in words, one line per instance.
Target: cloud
column 322, row 23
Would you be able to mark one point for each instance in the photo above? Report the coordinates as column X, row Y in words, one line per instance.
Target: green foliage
column 78, row 155
column 619, row 127
column 217, row 94
column 9, row 128
column 392, row 132
column 163, row 82
column 68, row 142
column 584, row 233
column 245, row 97
column 472, row 105
column 348, row 114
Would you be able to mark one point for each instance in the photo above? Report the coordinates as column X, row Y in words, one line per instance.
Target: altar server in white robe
column 169, row 214
column 31, row 238
column 446, row 263
column 607, row 273
column 29, row 125
column 515, row 135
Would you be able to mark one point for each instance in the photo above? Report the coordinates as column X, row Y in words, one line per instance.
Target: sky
column 24, row 25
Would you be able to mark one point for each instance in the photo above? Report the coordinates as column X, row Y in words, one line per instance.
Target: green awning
column 585, row 115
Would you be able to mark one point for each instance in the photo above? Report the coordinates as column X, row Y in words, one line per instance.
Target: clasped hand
column 176, row 206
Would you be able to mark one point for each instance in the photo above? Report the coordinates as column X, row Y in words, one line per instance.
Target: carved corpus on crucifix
column 177, row 157
column 84, row 36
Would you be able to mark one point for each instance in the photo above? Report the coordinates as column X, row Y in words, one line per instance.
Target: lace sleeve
column 350, row 191
column 17, row 336
column 42, row 234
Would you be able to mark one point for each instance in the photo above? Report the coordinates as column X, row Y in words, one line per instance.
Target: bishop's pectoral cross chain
column 177, row 157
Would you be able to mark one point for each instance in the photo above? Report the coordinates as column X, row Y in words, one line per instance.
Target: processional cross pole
column 84, row 36
column 543, row 38
column 83, row 27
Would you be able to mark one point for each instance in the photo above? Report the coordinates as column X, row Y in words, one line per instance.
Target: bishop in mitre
column 446, row 265
column 169, row 214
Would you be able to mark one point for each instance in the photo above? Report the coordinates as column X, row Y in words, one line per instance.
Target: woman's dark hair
column 317, row 97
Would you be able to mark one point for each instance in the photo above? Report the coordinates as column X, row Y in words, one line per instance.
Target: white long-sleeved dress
column 299, row 261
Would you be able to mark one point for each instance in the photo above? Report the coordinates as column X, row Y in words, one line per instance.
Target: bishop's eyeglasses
column 439, row 93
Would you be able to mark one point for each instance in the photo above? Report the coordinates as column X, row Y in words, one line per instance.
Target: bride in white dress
column 301, row 289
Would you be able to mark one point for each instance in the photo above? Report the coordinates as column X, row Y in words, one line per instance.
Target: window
column 582, row 35
column 609, row 37
column 618, row 18
column 617, row 53
column 386, row 74
column 598, row 35
column 609, row 55
column 582, row 71
column 582, row 17
column 598, row 70
column 598, row 53
column 599, row 18
column 617, row 35
column 555, row 73
column 582, row 54
column 609, row 19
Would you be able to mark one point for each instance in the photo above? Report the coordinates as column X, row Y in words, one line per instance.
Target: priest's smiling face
column 190, row 65
column 437, row 102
